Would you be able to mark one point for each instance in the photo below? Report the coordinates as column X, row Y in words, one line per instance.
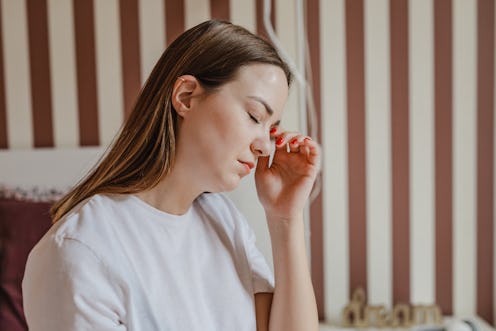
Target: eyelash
column 254, row 119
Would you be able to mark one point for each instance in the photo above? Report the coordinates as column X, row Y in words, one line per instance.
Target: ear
column 185, row 88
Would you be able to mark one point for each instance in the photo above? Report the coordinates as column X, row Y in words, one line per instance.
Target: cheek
column 231, row 129
column 222, row 131
column 226, row 147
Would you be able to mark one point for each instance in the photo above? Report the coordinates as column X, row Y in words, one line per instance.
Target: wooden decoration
column 401, row 316
column 352, row 315
column 376, row 316
column 359, row 296
column 424, row 314
column 358, row 314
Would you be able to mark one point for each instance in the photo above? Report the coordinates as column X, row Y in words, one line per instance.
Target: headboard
column 46, row 167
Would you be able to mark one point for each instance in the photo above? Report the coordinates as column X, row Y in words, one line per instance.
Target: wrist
column 281, row 227
column 285, row 217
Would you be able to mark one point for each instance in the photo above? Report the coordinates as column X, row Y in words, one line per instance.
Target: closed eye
column 254, row 119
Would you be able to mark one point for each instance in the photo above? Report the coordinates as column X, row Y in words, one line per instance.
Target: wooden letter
column 375, row 316
column 426, row 314
column 401, row 316
column 352, row 315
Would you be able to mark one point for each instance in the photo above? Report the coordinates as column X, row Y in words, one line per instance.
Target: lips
column 248, row 165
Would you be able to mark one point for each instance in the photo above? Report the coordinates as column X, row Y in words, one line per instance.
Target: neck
column 174, row 194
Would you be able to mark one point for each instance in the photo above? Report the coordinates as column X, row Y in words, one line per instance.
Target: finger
column 295, row 143
column 284, row 138
column 274, row 132
column 263, row 163
column 312, row 150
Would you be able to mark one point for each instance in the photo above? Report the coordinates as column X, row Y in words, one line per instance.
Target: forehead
column 261, row 81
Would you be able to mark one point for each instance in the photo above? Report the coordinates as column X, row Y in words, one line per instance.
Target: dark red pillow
column 22, row 224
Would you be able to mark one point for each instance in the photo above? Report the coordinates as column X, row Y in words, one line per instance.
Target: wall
column 404, row 92
column 408, row 135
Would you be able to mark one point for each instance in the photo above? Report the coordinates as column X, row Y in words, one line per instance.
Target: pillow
column 24, row 219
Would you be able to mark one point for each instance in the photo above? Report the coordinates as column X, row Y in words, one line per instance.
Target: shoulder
column 221, row 209
column 86, row 225
column 86, row 236
column 98, row 205
column 91, row 215
column 220, row 205
column 62, row 275
column 219, row 200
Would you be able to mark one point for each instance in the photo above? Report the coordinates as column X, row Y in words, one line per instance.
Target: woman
column 140, row 245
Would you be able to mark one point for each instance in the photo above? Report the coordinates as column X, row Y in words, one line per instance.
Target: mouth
column 248, row 165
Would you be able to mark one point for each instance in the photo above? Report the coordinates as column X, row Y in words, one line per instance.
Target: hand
column 284, row 186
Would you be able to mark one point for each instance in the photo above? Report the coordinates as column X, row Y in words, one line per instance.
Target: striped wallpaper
column 408, row 136
column 404, row 92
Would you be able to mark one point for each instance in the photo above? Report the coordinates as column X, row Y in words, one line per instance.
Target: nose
column 261, row 146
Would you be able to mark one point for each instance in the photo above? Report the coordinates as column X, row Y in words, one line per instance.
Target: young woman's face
column 223, row 133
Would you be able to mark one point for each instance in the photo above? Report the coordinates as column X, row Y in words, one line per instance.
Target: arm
column 293, row 305
column 66, row 287
column 283, row 188
column 263, row 301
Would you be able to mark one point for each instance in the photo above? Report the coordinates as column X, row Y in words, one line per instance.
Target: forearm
column 293, row 306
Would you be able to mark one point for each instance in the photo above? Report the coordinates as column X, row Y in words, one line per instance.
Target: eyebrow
column 267, row 107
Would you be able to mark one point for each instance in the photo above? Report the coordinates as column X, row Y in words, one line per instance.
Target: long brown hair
column 143, row 152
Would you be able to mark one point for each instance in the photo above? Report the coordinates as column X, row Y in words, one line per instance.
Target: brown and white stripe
column 404, row 90
column 408, row 118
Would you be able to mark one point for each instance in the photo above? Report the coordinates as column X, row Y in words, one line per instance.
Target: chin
column 228, row 184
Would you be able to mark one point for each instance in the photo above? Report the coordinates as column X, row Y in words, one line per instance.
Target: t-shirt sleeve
column 67, row 287
column 262, row 276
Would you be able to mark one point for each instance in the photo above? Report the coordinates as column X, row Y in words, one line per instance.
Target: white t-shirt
column 117, row 263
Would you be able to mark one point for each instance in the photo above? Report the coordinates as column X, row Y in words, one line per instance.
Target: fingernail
column 279, row 141
column 273, row 130
column 308, row 139
column 294, row 141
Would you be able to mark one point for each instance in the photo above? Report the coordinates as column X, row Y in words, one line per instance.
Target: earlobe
column 183, row 91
